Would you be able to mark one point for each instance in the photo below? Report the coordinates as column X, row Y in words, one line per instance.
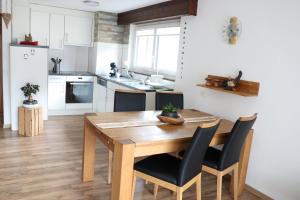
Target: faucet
column 130, row 73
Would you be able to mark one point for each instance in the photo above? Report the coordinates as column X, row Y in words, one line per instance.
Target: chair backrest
column 127, row 100
column 191, row 164
column 232, row 148
column 166, row 97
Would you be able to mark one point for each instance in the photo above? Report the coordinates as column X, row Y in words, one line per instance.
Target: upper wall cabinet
column 20, row 21
column 57, row 31
column 52, row 26
column 39, row 27
column 78, row 31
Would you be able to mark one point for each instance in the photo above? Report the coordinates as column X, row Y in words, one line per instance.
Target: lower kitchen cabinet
column 110, row 98
column 57, row 92
column 39, row 27
column 99, row 97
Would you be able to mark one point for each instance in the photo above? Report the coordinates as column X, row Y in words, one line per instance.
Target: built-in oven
column 79, row 92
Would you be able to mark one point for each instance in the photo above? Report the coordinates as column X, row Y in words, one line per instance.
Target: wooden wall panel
column 159, row 11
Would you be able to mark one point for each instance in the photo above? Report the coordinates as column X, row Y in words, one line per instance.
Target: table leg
column 243, row 164
column 89, row 148
column 123, row 160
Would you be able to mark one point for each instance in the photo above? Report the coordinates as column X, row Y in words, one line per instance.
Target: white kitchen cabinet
column 78, row 31
column 39, row 27
column 57, row 92
column 99, row 96
column 57, row 31
column 20, row 21
column 110, row 98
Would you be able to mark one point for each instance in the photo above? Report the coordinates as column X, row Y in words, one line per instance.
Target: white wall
column 6, row 38
column 73, row 58
column 268, row 51
column 102, row 54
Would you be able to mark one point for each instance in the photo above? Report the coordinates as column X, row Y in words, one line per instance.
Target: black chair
column 165, row 97
column 221, row 162
column 125, row 101
column 176, row 174
column 129, row 100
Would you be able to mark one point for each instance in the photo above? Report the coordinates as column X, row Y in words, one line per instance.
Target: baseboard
column 6, row 125
column 257, row 193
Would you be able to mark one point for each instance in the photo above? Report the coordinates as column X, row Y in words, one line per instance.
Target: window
column 156, row 48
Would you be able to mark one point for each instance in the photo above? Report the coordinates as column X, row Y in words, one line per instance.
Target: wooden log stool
column 30, row 121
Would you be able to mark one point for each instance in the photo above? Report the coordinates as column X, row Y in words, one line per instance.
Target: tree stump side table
column 30, row 121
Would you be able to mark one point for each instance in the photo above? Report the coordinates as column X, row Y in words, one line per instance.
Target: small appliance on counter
column 114, row 70
column 56, row 68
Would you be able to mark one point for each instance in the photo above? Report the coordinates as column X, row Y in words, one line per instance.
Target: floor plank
column 48, row 167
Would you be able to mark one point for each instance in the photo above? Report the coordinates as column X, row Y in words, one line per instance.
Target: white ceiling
column 115, row 6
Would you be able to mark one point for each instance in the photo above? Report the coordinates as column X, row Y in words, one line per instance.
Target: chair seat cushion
column 162, row 166
column 212, row 157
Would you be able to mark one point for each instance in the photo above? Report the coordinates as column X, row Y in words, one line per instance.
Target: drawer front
column 56, row 79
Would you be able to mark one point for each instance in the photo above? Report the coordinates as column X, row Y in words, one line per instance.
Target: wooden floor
column 48, row 167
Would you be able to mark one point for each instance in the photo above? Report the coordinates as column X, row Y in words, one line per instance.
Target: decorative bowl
column 171, row 120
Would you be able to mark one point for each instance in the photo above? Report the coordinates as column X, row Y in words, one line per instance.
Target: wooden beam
column 167, row 9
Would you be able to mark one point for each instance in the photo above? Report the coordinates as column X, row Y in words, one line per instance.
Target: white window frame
column 155, row 26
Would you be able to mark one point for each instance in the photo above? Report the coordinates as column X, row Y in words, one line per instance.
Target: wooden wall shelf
column 244, row 88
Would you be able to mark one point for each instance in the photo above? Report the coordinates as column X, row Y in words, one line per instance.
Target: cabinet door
column 57, row 31
column 110, row 98
column 100, row 93
column 56, row 95
column 20, row 21
column 78, row 31
column 39, row 27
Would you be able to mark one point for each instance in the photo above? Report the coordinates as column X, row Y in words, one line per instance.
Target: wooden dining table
column 128, row 143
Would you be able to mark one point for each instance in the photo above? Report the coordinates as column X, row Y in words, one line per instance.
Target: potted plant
column 28, row 90
column 169, row 111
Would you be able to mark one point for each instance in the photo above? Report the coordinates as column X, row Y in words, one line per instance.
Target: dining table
column 130, row 135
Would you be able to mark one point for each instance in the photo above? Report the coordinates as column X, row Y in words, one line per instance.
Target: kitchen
column 82, row 45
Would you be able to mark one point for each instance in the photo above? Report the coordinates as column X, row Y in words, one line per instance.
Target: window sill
column 145, row 74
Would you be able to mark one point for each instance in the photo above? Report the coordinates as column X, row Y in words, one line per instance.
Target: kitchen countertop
column 71, row 73
column 134, row 84
column 127, row 82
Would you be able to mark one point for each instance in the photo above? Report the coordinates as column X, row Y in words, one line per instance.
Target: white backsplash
column 73, row 58
column 102, row 54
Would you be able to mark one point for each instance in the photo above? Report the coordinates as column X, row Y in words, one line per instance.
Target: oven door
column 79, row 92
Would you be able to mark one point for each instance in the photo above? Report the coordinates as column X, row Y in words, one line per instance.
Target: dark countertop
column 134, row 84
column 71, row 73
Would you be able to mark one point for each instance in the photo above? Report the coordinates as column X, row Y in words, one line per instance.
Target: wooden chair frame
column 234, row 168
column 176, row 189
